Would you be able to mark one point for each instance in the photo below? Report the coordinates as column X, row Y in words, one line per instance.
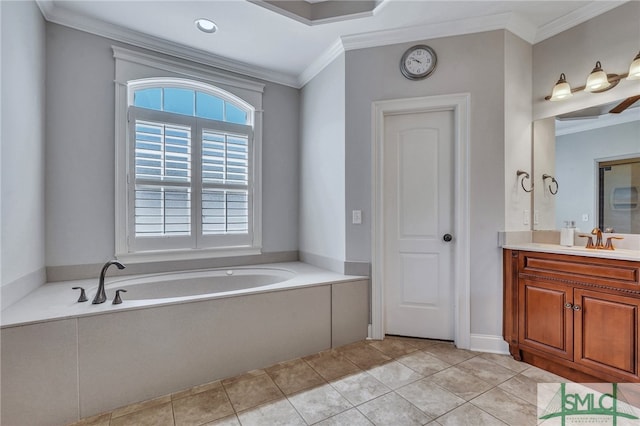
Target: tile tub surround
column 404, row 382
column 116, row 356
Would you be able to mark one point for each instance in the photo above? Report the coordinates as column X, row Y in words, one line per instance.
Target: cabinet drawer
column 605, row 272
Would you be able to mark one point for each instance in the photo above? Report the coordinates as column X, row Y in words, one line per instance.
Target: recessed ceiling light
column 206, row 25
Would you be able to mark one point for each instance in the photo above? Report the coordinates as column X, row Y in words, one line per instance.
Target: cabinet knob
column 568, row 305
column 576, row 307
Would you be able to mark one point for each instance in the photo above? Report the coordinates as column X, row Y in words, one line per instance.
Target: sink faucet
column 598, row 233
column 101, row 295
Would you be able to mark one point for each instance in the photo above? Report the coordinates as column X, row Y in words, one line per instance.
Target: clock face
column 418, row 62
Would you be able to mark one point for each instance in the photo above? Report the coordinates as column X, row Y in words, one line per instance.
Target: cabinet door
column 606, row 329
column 546, row 317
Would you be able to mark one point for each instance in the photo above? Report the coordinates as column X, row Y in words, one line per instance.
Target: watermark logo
column 588, row 403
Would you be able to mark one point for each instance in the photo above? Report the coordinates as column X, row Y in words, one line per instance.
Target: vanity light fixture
column 634, row 68
column 206, row 25
column 597, row 81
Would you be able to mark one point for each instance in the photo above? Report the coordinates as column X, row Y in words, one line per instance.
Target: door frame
column 461, row 276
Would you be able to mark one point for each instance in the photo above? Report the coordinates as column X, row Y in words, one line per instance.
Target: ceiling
column 259, row 40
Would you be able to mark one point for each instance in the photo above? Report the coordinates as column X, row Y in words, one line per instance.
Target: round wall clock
column 418, row 62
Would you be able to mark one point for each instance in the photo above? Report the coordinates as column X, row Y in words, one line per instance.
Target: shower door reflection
column 619, row 195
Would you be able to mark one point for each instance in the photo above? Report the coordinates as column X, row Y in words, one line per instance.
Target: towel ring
column 524, row 175
column 553, row 180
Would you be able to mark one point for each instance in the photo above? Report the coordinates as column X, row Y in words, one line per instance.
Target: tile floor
column 397, row 381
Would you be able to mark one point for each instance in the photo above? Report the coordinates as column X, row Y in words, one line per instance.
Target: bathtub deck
column 56, row 301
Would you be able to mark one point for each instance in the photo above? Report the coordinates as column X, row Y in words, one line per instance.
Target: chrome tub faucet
column 101, row 296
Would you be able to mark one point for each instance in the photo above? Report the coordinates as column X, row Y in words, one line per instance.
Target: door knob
column 447, row 237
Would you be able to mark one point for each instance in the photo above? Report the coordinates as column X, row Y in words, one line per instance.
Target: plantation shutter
column 191, row 179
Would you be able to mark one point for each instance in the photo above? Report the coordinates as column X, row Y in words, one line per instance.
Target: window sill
column 186, row 254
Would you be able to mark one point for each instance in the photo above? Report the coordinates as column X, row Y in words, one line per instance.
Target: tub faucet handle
column 83, row 295
column 118, row 300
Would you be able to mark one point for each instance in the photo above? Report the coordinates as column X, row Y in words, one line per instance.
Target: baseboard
column 489, row 343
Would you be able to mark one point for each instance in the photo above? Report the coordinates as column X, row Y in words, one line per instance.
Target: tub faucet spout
column 101, row 296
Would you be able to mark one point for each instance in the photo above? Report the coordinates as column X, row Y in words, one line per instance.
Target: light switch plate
column 356, row 217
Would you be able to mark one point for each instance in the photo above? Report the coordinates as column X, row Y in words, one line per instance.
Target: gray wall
column 517, row 133
column 23, row 115
column 80, row 153
column 322, row 163
column 470, row 63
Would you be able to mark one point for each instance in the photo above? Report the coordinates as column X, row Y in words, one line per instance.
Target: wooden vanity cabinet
column 576, row 316
column 546, row 320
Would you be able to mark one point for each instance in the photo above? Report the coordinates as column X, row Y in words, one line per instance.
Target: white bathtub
column 198, row 283
column 172, row 331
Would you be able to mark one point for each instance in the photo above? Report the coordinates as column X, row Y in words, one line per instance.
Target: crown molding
column 408, row 34
column 328, row 56
column 512, row 22
column 522, row 27
column 576, row 17
column 424, row 32
column 135, row 38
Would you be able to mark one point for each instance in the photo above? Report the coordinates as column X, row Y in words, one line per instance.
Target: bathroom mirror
column 590, row 160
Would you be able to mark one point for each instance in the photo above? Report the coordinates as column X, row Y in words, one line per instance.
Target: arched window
column 190, row 171
column 189, row 98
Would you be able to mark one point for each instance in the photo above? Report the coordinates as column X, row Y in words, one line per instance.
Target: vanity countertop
column 622, row 254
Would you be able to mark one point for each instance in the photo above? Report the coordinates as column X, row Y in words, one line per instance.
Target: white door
column 417, row 214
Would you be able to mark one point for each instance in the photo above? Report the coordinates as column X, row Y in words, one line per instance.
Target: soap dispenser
column 567, row 233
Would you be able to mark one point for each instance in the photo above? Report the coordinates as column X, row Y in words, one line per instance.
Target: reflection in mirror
column 571, row 148
column 618, row 184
